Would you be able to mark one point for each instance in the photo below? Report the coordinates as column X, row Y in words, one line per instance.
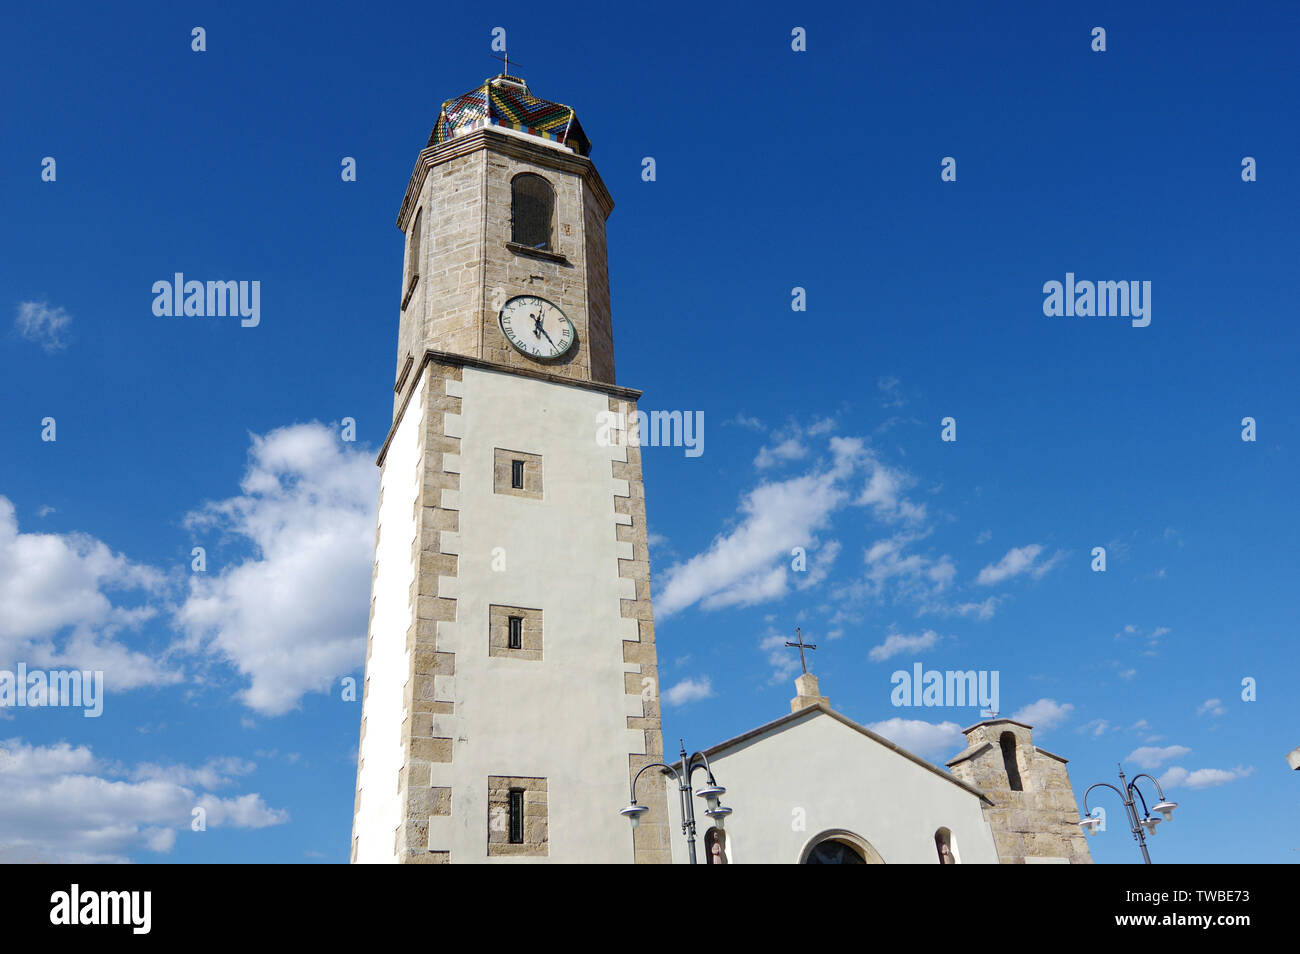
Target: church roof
column 722, row 747
column 506, row 101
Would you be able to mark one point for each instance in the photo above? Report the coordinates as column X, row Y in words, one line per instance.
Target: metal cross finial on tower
column 506, row 59
column 798, row 635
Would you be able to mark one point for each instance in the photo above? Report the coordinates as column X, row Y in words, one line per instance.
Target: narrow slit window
column 517, row 474
column 516, row 632
column 516, row 816
column 413, row 249
column 1008, row 742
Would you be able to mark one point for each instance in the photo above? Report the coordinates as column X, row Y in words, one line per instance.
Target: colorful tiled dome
column 505, row 101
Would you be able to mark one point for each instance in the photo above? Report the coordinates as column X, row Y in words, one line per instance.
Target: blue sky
column 775, row 170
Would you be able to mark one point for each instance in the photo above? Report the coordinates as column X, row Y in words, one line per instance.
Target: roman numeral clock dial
column 537, row 327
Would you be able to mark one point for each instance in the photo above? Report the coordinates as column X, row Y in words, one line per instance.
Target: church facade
column 511, row 676
column 815, row 787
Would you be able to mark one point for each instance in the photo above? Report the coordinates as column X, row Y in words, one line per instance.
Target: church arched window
column 946, row 845
column 1008, row 741
column 532, row 210
column 832, row 851
column 839, row 847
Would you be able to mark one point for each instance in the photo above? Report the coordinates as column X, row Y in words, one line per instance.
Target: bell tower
column 511, row 688
column 1033, row 814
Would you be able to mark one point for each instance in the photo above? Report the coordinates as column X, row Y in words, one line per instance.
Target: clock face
column 537, row 327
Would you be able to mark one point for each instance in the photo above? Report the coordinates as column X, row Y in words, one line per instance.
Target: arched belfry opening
column 532, row 211
column 413, row 249
column 1008, row 741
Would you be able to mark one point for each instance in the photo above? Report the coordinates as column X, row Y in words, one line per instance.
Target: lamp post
column 711, row 793
column 1136, row 825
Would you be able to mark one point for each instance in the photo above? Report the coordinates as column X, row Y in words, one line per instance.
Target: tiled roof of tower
column 505, row 101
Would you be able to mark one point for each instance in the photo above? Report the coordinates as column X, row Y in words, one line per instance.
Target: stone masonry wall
column 1039, row 822
column 424, row 745
column 469, row 269
column 443, row 311
column 650, row 840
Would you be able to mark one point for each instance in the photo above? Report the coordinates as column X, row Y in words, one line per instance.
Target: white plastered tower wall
column 564, row 717
column 380, row 755
column 448, row 720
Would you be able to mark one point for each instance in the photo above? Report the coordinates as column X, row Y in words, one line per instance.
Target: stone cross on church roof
column 806, row 691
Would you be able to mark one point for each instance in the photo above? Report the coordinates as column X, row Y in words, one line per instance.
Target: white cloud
column 933, row 740
column 911, row 575
column 884, row 494
column 823, row 558
column 889, row 395
column 982, row 610
column 787, row 450
column 750, row 564
column 1202, row 778
column 65, row 605
column 215, row 773
column 292, row 617
column 62, row 804
column 689, row 690
column 791, row 443
column 1098, row 727
column 1043, row 714
column 1150, row 757
column 749, row 423
column 756, row 588
column 1213, row 706
column 43, row 323
column 785, row 664
column 897, row 643
column 1016, row 561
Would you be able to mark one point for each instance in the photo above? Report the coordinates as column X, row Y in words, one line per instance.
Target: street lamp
column 1137, row 825
column 711, row 793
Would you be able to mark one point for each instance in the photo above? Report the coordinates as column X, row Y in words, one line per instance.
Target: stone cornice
column 516, row 146
column 465, row 361
column 1051, row 755
column 995, row 722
